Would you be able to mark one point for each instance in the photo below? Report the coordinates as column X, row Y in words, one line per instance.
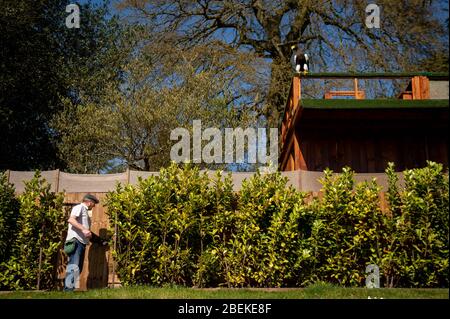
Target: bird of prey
column 301, row 60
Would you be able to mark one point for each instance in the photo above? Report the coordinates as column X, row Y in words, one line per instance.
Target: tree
column 438, row 62
column 43, row 61
column 333, row 31
column 164, row 88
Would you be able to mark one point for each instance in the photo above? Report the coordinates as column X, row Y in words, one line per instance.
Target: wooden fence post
column 57, row 181
column 384, row 205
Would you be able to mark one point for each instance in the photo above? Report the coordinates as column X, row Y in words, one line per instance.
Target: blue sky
column 440, row 9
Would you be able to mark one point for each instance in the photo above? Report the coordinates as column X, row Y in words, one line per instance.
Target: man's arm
column 77, row 225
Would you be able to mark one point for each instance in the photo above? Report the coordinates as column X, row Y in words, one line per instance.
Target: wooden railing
column 356, row 93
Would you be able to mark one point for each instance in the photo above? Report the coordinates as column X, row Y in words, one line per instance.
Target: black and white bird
column 301, row 60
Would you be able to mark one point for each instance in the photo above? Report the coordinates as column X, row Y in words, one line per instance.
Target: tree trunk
column 278, row 91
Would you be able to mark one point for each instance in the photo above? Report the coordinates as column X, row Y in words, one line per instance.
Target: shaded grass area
column 317, row 291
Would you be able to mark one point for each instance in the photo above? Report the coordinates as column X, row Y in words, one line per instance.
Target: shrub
column 418, row 250
column 183, row 228
column 38, row 238
column 218, row 227
column 163, row 226
column 264, row 247
column 347, row 230
column 9, row 212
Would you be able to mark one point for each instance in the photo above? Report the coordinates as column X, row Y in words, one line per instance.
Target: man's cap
column 91, row 197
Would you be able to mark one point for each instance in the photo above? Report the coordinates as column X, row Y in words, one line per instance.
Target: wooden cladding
column 369, row 151
column 366, row 139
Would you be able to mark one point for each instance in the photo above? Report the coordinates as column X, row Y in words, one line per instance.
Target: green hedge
column 36, row 236
column 9, row 213
column 185, row 228
column 416, row 253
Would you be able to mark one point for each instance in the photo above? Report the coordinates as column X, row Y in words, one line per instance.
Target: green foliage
column 44, row 63
column 38, row 236
column 217, row 228
column 183, row 228
column 347, row 231
column 263, row 247
column 418, row 251
column 9, row 212
column 133, row 122
column 163, row 226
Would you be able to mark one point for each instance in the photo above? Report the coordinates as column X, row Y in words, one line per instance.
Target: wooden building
column 366, row 134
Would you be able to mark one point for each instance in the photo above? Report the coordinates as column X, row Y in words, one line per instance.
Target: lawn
column 318, row 291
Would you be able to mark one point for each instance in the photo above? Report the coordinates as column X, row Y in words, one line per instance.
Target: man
column 77, row 238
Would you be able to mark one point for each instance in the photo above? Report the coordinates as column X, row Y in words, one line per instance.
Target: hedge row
column 31, row 227
column 183, row 228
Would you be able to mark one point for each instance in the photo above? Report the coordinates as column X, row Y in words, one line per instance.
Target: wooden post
column 128, row 175
column 415, row 88
column 115, row 249
column 296, row 92
column 384, row 204
column 299, row 90
column 359, row 95
column 320, row 195
column 57, row 181
column 420, row 86
column 424, row 88
column 309, row 197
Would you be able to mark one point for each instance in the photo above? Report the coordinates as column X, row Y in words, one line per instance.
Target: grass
column 317, row 291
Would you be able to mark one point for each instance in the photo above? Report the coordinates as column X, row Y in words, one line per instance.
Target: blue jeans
column 74, row 266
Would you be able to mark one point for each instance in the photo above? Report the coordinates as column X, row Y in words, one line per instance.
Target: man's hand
column 87, row 233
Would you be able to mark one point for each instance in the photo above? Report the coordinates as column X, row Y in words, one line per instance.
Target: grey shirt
column 80, row 213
